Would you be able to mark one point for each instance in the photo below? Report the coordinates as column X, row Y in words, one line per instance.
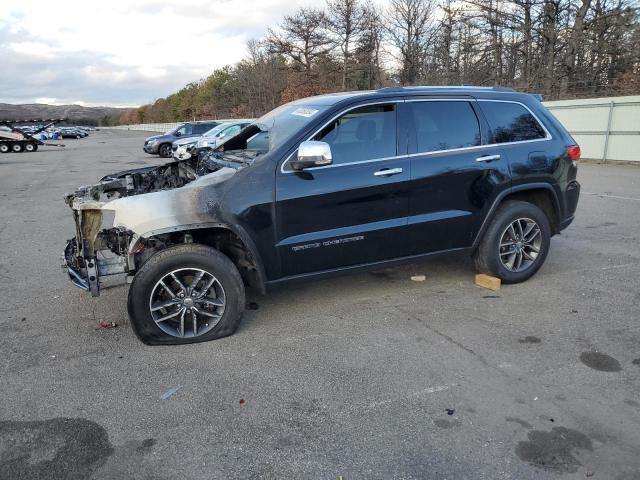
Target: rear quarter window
column 511, row 122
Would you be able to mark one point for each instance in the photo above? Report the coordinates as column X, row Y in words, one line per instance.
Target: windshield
column 283, row 122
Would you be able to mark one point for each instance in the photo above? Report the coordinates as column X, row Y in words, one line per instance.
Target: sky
column 123, row 52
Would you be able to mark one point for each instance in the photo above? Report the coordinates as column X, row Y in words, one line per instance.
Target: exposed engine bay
column 127, row 216
column 164, row 177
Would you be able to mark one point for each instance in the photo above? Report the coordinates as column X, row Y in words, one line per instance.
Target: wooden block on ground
column 487, row 281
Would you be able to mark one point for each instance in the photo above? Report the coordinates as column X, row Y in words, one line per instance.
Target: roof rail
column 444, row 87
column 390, row 89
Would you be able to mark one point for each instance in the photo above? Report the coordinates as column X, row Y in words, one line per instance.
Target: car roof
column 475, row 91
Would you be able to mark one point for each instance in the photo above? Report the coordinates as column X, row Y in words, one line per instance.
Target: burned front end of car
column 100, row 247
column 122, row 220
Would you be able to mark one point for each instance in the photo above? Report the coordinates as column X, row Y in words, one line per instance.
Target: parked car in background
column 218, row 135
column 161, row 144
column 186, row 148
column 71, row 132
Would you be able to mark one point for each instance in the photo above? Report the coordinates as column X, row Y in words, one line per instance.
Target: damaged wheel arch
column 231, row 240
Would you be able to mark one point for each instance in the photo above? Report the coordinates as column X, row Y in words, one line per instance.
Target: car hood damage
column 151, row 198
column 115, row 216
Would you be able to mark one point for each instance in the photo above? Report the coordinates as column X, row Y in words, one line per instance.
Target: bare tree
column 302, row 38
column 368, row 48
column 410, row 25
column 561, row 48
column 345, row 22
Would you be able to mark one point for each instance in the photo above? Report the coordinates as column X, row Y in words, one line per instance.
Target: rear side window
column 441, row 125
column 511, row 122
column 366, row 133
column 199, row 128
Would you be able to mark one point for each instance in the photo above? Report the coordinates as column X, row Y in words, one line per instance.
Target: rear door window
column 511, row 122
column 440, row 125
column 200, row 128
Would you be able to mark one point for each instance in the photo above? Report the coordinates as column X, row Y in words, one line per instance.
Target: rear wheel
column 30, row 147
column 186, row 294
column 4, row 148
column 516, row 243
column 16, row 147
column 165, row 150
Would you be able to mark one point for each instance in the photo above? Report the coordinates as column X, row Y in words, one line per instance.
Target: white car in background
column 184, row 149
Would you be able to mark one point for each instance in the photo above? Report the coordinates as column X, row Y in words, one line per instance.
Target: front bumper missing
column 78, row 270
column 85, row 272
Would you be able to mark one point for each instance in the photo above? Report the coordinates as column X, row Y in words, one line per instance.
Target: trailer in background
column 13, row 139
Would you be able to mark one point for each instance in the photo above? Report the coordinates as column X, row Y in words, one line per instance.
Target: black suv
column 161, row 144
column 328, row 185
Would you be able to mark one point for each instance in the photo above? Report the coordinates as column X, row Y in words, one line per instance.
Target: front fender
column 170, row 210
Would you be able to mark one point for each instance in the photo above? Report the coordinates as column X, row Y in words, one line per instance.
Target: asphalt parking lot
column 366, row 376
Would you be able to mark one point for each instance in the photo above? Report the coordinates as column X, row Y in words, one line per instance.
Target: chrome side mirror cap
column 312, row 154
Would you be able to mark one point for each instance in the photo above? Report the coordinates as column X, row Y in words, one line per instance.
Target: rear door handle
column 488, row 158
column 387, row 172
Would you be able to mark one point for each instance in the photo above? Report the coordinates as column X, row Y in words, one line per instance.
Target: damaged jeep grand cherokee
column 327, row 185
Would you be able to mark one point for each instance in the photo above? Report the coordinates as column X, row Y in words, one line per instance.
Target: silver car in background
column 186, row 148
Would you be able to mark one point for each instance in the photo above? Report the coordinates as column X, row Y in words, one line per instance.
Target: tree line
column 559, row 48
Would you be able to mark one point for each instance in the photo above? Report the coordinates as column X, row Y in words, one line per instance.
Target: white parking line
column 437, row 388
column 611, row 196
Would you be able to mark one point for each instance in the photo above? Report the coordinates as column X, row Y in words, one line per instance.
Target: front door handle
column 488, row 158
column 387, row 172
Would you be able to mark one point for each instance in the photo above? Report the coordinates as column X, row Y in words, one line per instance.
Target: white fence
column 605, row 128
column 148, row 127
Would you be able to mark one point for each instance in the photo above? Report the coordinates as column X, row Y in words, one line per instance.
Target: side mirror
column 178, row 134
column 222, row 135
column 312, row 154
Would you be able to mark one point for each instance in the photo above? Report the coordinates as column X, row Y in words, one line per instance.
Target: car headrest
column 366, row 130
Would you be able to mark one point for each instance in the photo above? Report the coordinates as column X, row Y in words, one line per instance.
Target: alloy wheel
column 187, row 302
column 520, row 244
column 165, row 151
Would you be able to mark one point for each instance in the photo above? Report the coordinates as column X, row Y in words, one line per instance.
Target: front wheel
column 30, row 147
column 186, row 294
column 4, row 148
column 16, row 147
column 165, row 150
column 516, row 243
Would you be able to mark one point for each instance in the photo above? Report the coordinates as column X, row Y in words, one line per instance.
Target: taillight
column 574, row 152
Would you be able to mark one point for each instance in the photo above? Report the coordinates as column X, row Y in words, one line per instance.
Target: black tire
column 172, row 259
column 487, row 257
column 165, row 150
column 4, row 148
column 30, row 147
column 16, row 147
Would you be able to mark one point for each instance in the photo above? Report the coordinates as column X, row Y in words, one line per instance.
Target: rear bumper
column 572, row 194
